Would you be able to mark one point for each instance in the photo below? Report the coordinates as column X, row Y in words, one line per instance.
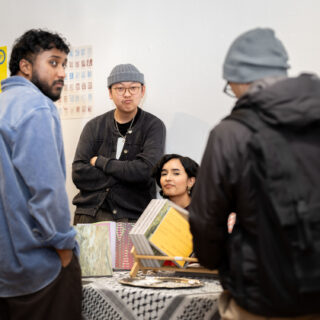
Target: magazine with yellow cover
column 172, row 237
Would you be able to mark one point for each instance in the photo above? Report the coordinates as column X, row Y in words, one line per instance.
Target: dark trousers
column 60, row 300
column 230, row 310
column 102, row 215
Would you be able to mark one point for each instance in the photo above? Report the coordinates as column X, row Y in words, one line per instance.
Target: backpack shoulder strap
column 286, row 190
column 247, row 117
column 281, row 170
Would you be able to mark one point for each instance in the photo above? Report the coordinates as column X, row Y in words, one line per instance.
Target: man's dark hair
column 33, row 42
column 190, row 166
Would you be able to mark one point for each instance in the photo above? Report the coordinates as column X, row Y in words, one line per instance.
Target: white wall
column 178, row 44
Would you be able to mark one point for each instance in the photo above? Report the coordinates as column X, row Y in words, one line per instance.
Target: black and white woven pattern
column 105, row 298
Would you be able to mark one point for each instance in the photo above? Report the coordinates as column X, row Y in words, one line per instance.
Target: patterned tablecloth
column 105, row 298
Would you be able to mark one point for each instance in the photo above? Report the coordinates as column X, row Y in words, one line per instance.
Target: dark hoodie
column 225, row 184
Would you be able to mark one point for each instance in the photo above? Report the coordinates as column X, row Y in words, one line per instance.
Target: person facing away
column 176, row 177
column 116, row 153
column 40, row 276
column 258, row 264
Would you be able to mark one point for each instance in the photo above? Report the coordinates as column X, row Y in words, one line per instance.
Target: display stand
column 138, row 266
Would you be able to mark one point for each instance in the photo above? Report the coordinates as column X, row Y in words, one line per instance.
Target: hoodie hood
column 293, row 102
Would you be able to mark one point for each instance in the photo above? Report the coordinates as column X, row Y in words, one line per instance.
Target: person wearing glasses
column 116, row 153
column 269, row 264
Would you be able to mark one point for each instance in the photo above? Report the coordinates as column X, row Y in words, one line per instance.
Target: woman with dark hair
column 176, row 176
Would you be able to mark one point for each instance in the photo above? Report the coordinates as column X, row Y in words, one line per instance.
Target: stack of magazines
column 162, row 230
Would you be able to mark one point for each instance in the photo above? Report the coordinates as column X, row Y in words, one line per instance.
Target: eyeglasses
column 122, row 90
column 228, row 91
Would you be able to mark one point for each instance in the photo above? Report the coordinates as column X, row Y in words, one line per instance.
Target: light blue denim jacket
column 34, row 211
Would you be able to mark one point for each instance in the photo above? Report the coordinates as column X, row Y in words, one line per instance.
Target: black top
column 123, row 127
column 226, row 183
column 125, row 184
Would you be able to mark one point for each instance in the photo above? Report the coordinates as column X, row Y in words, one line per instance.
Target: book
column 95, row 253
column 120, row 244
column 147, row 226
column 172, row 236
column 136, row 230
column 123, row 257
column 137, row 233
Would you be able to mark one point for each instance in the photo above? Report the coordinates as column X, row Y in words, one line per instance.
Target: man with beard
column 40, row 277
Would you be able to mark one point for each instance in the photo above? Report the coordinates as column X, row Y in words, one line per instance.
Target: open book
column 104, row 246
column 120, row 244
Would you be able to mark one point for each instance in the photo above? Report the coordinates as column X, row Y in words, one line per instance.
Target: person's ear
column 110, row 93
column 25, row 67
column 191, row 181
column 143, row 90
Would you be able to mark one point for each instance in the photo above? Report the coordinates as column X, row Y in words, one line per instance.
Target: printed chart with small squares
column 76, row 100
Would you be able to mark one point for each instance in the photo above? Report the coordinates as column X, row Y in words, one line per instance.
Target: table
column 105, row 298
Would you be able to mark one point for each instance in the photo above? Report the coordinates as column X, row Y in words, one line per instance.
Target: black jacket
column 125, row 184
column 226, row 184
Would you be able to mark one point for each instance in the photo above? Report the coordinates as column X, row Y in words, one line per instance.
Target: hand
column 65, row 256
column 93, row 161
column 231, row 221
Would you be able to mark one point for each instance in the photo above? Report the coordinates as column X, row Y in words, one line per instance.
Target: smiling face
column 175, row 181
column 46, row 71
column 127, row 96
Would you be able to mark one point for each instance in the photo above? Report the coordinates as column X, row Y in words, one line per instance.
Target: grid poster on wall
column 76, row 100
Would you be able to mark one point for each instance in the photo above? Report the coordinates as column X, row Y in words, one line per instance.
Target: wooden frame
column 138, row 265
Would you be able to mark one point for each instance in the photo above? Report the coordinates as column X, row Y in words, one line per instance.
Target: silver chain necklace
column 128, row 131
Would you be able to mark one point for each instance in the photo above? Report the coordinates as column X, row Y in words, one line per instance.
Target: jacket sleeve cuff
column 62, row 240
column 102, row 163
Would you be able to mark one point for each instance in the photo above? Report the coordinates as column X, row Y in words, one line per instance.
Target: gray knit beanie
column 255, row 55
column 125, row 72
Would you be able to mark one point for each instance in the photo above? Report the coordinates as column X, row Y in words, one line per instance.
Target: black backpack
column 288, row 222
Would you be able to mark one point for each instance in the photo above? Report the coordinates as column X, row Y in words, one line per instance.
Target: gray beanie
column 125, row 72
column 255, row 55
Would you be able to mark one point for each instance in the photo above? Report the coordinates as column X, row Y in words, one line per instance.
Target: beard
column 45, row 88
